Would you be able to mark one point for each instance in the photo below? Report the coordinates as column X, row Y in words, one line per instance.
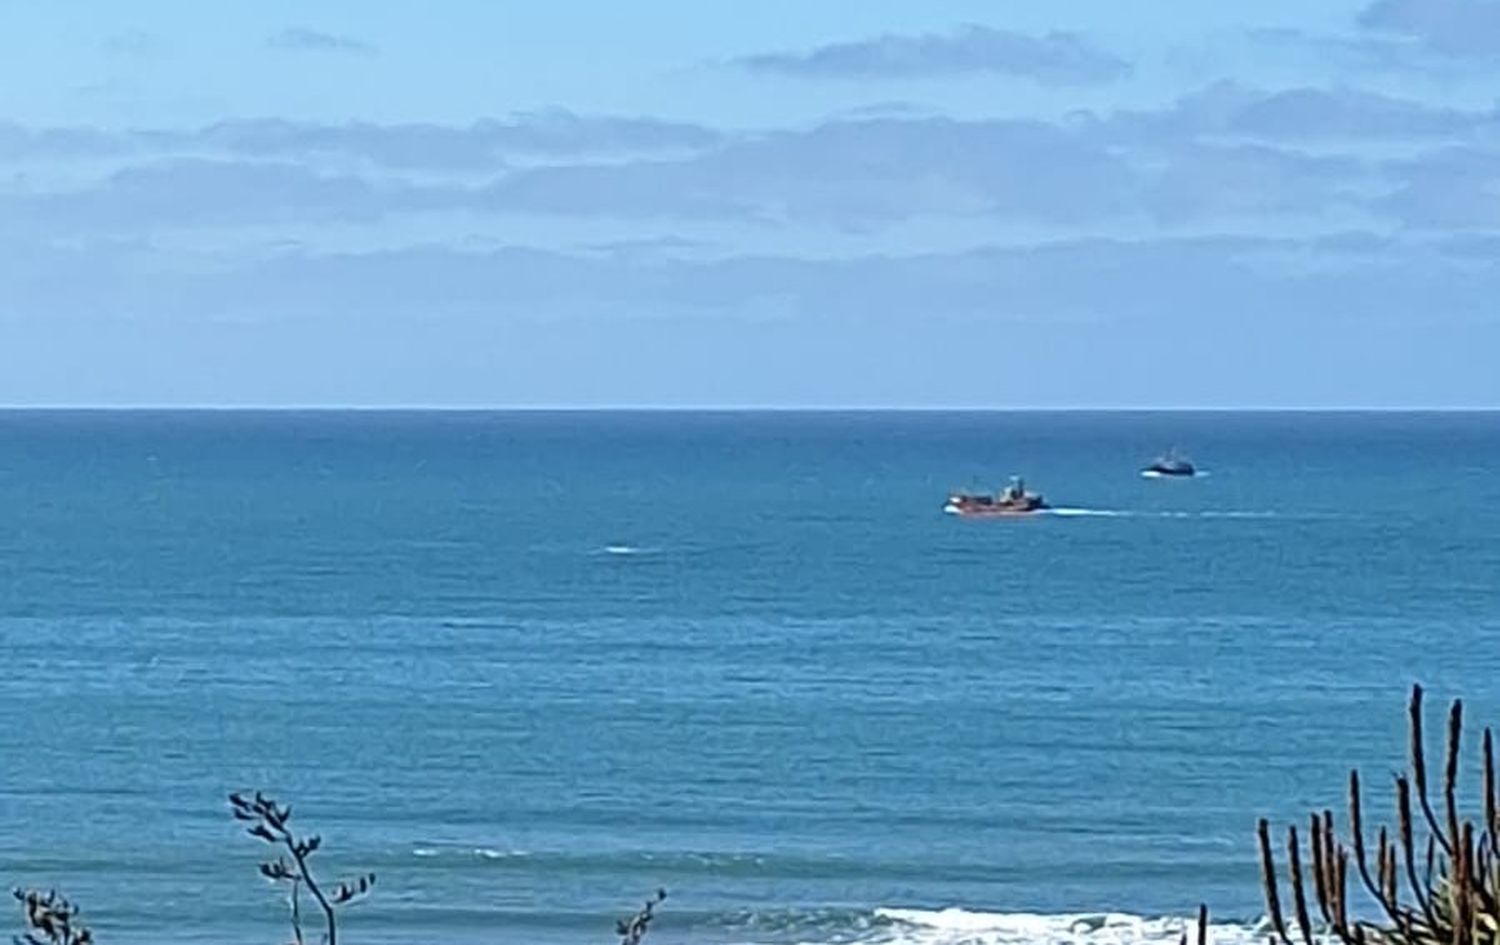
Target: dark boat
column 1171, row 463
column 1012, row 500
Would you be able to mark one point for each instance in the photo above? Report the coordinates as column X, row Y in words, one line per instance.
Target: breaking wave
column 624, row 550
column 954, row 926
column 482, row 853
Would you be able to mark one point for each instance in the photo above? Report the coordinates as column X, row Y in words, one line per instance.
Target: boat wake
column 1156, row 474
column 1069, row 512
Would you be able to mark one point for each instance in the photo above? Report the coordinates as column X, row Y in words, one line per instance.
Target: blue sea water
column 527, row 667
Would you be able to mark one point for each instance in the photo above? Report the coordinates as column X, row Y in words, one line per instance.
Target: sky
column 1003, row 204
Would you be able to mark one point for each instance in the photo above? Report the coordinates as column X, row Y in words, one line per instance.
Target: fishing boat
column 1170, row 464
column 1014, row 499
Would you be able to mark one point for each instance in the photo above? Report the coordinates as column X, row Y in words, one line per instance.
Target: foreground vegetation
column 50, row 919
column 1431, row 878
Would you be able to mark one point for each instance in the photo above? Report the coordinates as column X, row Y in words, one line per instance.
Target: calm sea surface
column 527, row 667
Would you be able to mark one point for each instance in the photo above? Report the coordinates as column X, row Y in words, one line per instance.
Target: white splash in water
column 484, row 853
column 492, row 854
column 963, row 927
column 623, row 550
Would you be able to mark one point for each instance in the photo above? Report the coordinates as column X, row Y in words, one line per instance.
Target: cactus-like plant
column 1435, row 876
column 269, row 823
column 50, row 920
column 633, row 929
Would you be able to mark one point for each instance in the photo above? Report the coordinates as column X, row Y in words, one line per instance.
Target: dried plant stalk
column 269, row 823
column 633, row 929
column 1453, row 900
column 50, row 920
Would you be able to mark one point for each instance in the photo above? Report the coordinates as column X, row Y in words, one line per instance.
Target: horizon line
column 720, row 408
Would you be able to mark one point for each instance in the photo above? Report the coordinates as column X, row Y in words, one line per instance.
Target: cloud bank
column 1449, row 27
column 1224, row 155
column 1056, row 58
column 1281, row 244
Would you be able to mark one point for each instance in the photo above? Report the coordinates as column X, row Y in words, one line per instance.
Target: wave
column 483, row 853
column 622, row 861
column 623, row 550
column 955, row 926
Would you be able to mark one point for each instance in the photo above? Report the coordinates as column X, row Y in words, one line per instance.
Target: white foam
column 955, row 926
column 1085, row 513
column 623, row 550
column 492, row 854
column 1129, row 513
column 484, row 853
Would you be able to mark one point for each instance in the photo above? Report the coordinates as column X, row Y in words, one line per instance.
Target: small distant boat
column 1171, row 463
column 1012, row 500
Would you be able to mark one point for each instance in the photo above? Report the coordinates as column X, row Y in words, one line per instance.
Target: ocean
column 527, row 667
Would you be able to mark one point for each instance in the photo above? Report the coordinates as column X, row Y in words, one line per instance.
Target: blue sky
column 1060, row 204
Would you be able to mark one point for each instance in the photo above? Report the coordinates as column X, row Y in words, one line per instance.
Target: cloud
column 1482, row 248
column 1207, row 183
column 1351, row 114
column 1366, row 51
column 21, row 143
column 1106, row 281
column 135, row 44
column 651, row 246
column 206, row 193
column 891, row 109
column 1062, row 279
column 1057, row 58
column 1226, row 155
column 1450, row 27
column 302, row 39
column 1301, row 114
column 482, row 145
column 852, row 175
column 1354, row 243
column 1451, row 189
column 841, row 173
column 1048, row 324
column 862, row 174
